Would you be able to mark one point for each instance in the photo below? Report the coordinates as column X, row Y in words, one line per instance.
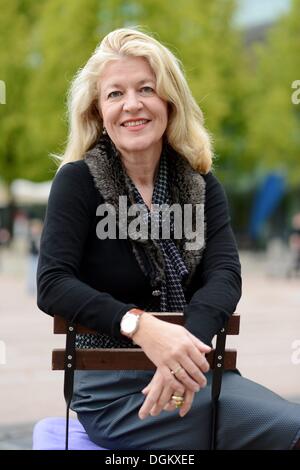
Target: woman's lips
column 136, row 128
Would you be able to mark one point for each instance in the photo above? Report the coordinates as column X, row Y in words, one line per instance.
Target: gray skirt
column 250, row 416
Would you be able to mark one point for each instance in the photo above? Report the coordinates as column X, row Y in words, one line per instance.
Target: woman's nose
column 132, row 102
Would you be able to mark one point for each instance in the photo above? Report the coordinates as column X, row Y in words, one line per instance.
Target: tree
column 14, row 31
column 203, row 37
column 273, row 120
column 63, row 40
column 64, row 35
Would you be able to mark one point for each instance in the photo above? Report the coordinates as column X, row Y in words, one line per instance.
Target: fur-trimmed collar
column 186, row 187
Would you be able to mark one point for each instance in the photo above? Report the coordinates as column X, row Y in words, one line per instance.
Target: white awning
column 27, row 192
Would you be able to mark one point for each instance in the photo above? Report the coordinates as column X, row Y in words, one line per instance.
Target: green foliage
column 58, row 37
column 273, row 120
column 245, row 93
column 201, row 35
column 63, row 40
column 14, row 27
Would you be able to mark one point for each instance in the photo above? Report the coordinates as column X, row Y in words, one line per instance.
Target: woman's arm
column 211, row 304
column 71, row 209
column 219, row 270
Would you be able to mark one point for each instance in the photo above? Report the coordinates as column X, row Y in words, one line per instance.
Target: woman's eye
column 113, row 94
column 147, row 89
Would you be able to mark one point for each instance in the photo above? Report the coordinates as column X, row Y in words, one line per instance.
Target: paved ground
column 270, row 327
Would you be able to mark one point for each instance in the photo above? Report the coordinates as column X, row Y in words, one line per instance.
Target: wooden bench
column 70, row 359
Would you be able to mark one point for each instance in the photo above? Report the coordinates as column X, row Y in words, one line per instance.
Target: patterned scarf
column 172, row 298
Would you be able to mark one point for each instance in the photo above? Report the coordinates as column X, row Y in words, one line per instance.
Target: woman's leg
column 250, row 416
column 253, row 417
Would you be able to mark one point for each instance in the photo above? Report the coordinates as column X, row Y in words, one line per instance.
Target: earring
column 104, row 132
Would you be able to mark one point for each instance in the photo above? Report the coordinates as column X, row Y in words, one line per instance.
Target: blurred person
column 294, row 244
column 4, row 236
column 4, row 240
column 136, row 131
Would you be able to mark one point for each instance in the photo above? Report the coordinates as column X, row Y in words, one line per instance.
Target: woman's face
column 134, row 116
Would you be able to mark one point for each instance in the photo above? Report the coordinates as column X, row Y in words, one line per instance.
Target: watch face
column 128, row 323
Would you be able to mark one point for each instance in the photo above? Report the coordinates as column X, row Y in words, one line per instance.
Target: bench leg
column 214, row 425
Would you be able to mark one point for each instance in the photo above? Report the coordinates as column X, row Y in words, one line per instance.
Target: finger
column 163, row 400
column 149, row 402
column 170, row 406
column 177, row 385
column 146, row 407
column 194, row 370
column 183, row 378
column 186, row 379
column 156, row 410
column 199, row 344
column 158, row 395
column 148, row 387
column 166, row 393
column 199, row 359
column 195, row 365
column 187, row 404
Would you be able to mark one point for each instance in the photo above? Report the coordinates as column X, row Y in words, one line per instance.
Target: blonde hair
column 185, row 130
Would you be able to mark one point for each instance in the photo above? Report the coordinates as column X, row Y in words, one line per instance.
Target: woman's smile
column 134, row 116
column 134, row 126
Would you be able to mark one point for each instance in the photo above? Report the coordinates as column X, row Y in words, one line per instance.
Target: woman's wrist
column 145, row 321
column 130, row 322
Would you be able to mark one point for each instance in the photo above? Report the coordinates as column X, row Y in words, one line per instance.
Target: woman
column 137, row 140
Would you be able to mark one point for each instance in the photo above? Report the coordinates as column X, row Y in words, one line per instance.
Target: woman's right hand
column 173, row 348
column 158, row 395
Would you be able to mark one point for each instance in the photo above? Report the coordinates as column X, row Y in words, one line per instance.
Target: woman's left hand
column 158, row 398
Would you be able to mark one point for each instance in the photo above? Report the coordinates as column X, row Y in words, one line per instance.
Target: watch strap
column 136, row 311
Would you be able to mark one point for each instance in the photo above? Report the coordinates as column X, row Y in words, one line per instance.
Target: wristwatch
column 130, row 322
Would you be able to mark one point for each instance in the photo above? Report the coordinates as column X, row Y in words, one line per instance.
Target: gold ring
column 174, row 372
column 178, row 400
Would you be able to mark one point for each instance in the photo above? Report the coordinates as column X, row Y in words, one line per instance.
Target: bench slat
column 123, row 359
column 60, row 324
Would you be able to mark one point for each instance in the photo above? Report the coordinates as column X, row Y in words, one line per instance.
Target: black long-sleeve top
column 95, row 282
